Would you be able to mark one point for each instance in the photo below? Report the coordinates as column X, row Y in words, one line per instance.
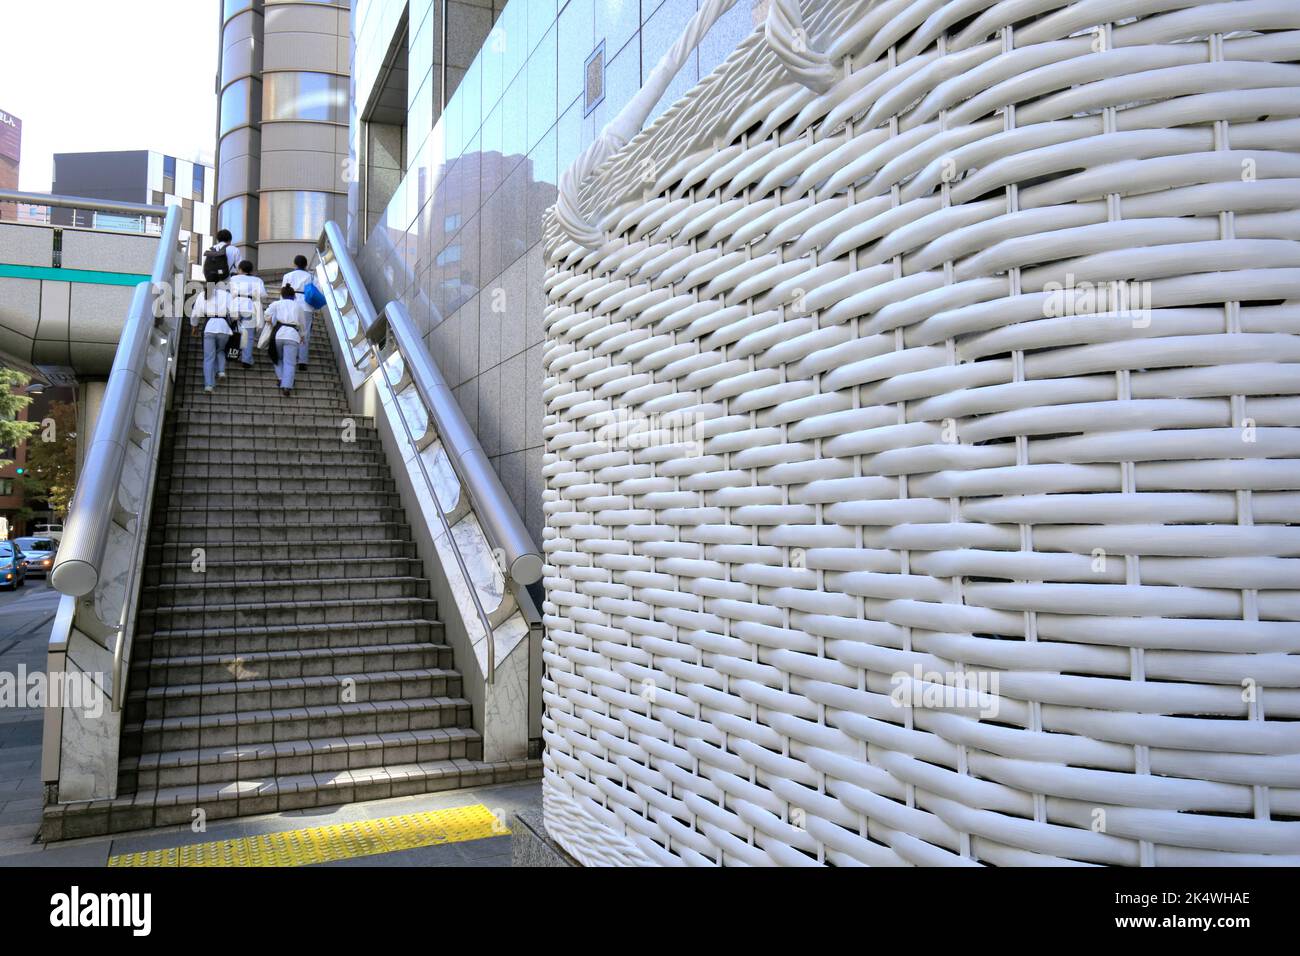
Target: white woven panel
column 846, row 407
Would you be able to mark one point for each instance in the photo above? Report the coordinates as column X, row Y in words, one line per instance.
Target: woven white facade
column 923, row 453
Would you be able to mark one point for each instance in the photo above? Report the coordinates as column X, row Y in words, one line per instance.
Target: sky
column 88, row 75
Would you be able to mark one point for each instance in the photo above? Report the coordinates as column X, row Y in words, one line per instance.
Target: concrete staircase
column 296, row 659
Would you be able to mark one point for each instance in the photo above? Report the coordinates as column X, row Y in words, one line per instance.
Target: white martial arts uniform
column 299, row 278
column 248, row 293
column 217, row 309
column 286, row 314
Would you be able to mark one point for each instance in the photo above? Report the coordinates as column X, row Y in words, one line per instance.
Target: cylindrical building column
column 239, row 146
column 282, row 131
column 304, row 127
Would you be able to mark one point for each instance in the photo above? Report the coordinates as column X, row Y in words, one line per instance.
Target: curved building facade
column 921, row 448
column 282, row 134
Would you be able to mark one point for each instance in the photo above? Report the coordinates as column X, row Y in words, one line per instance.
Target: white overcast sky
column 88, row 75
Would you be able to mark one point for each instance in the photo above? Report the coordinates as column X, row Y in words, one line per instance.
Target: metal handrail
column 96, row 506
column 331, row 238
column 490, row 644
column 492, row 504
column 500, row 522
column 85, row 202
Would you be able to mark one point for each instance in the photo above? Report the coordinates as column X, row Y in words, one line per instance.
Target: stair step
column 219, row 503
column 294, row 723
column 242, row 479
column 172, row 806
column 306, row 388
column 224, row 558
column 283, row 613
column 225, row 439
column 242, row 593
column 240, row 640
column 342, row 786
column 292, row 757
column 242, row 379
column 296, row 571
column 273, row 665
column 205, row 489
column 233, row 442
column 262, row 366
column 271, row 462
column 261, row 408
column 283, row 514
column 285, row 693
column 290, row 508
column 303, row 421
column 291, row 534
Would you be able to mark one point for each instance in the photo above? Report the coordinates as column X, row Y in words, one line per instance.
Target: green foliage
column 13, row 432
column 52, row 459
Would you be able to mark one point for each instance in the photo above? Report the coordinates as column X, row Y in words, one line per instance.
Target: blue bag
column 313, row 296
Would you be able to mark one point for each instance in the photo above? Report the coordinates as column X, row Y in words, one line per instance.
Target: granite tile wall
column 460, row 242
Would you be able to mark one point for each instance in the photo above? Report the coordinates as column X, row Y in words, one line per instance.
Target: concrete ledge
column 531, row 846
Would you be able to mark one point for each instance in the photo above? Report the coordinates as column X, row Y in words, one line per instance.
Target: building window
column 6, row 487
column 311, row 97
column 293, row 216
column 239, row 104
column 199, row 183
column 169, row 175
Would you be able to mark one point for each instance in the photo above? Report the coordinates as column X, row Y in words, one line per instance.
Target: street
column 25, row 618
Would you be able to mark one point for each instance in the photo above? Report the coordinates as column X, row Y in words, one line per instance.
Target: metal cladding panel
column 26, row 245
column 109, row 252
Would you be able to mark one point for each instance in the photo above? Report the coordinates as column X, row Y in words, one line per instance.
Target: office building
column 142, row 176
column 465, row 116
column 11, row 153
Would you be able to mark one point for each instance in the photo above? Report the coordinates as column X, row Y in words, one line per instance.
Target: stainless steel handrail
column 96, row 507
column 490, row 644
column 332, row 238
column 505, row 529
column 501, row 521
column 85, row 202
column 521, row 565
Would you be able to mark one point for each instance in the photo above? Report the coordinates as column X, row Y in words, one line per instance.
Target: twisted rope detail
column 785, row 33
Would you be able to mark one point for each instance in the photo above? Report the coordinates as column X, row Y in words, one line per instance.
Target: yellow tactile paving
column 334, row 841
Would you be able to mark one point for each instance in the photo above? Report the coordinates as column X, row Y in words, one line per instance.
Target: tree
column 12, row 432
column 52, row 459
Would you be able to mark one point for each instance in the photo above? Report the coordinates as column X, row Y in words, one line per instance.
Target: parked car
column 40, row 554
column 13, row 566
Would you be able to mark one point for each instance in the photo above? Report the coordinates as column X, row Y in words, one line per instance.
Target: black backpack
column 216, row 267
